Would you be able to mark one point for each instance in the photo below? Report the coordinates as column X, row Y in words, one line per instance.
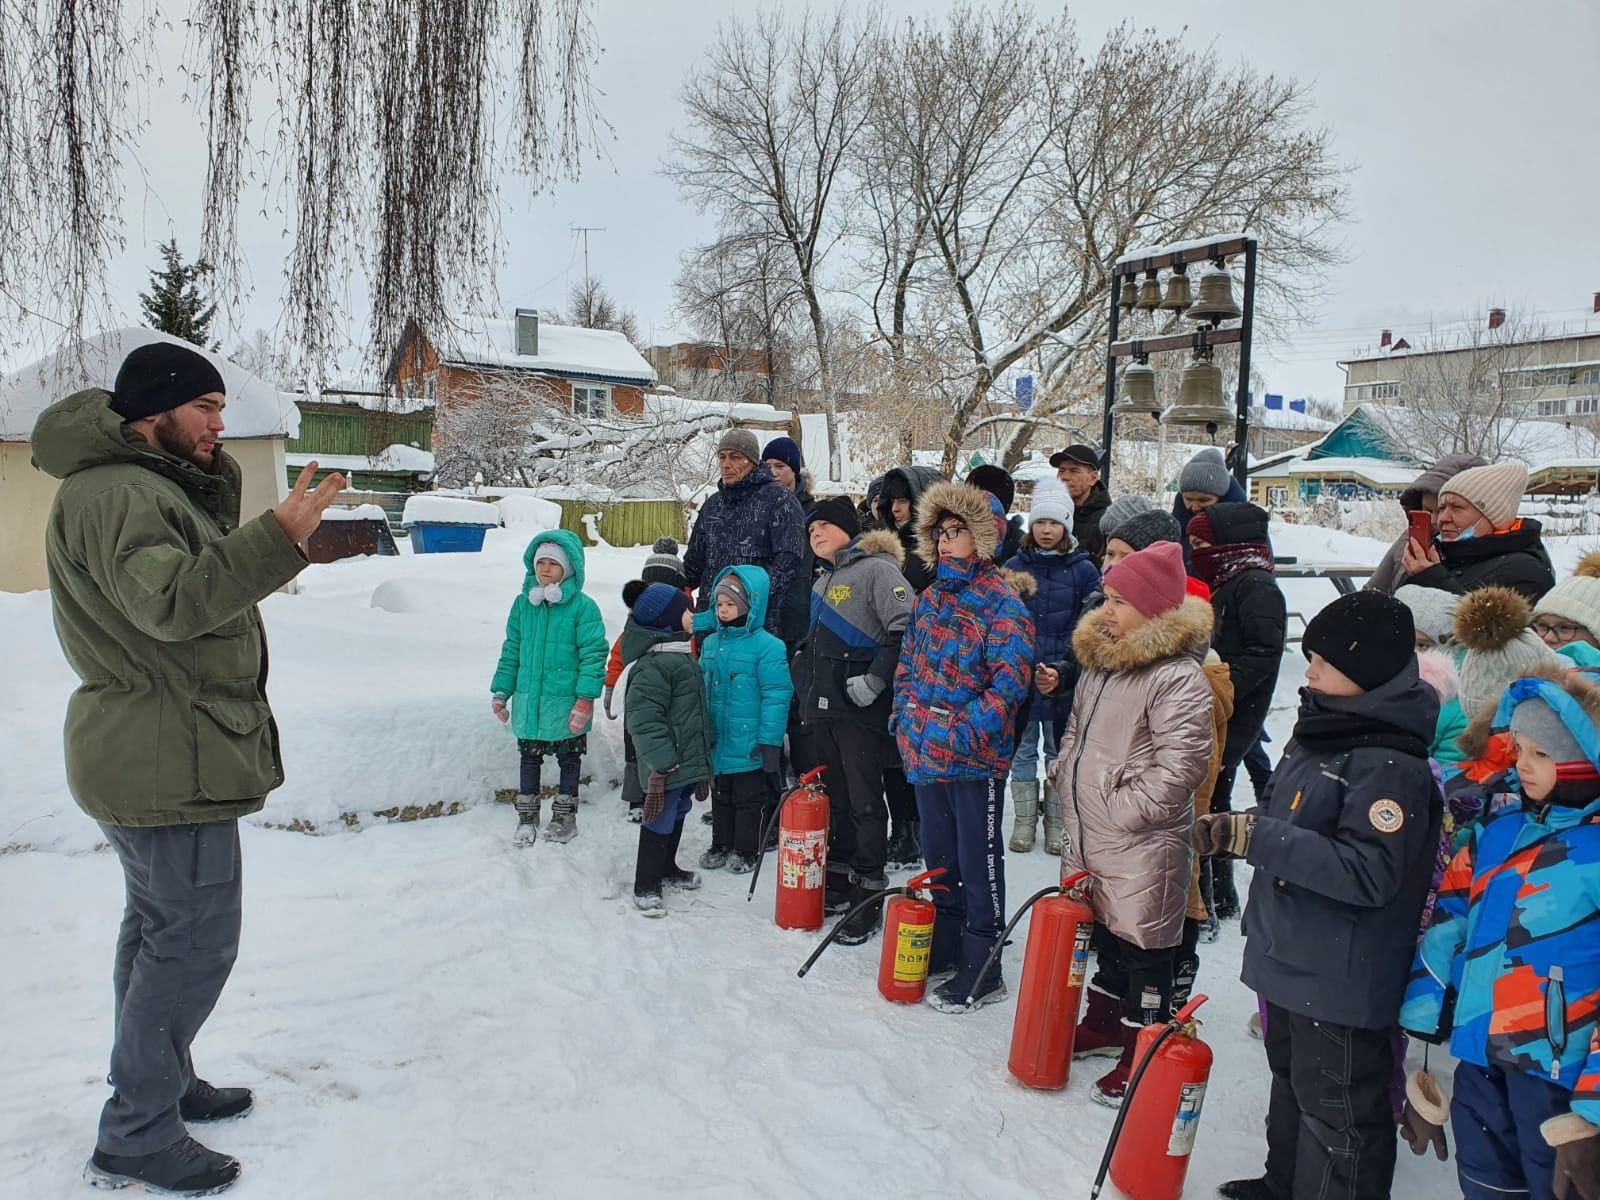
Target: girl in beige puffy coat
column 1137, row 746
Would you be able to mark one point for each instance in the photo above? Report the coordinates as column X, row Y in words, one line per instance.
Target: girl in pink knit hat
column 1138, row 744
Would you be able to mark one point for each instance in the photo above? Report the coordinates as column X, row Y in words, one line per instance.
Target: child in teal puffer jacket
column 748, row 689
column 551, row 670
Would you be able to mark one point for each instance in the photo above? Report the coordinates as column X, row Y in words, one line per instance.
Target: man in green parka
column 169, row 739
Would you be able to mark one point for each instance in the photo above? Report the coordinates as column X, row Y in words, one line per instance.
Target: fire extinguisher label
column 913, row 946
column 1080, row 956
column 801, row 857
column 1187, row 1122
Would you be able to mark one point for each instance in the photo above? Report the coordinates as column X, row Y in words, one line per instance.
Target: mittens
column 1222, row 833
column 771, row 759
column 498, row 707
column 1426, row 1111
column 863, row 689
column 578, row 720
column 609, row 693
column 655, row 796
column 1577, row 1174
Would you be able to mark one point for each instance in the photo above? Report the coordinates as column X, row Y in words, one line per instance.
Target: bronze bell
column 1216, row 303
column 1138, row 392
column 1179, row 295
column 1149, row 293
column 1129, row 292
column 1200, row 397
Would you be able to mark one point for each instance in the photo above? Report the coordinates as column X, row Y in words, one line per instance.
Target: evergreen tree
column 175, row 303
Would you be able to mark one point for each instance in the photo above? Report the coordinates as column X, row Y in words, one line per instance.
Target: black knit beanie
column 1366, row 636
column 160, row 376
column 836, row 510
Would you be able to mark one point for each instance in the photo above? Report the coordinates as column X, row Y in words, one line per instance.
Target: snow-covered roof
column 361, row 512
column 1535, row 444
column 1262, row 417
column 395, row 459
column 371, row 401
column 1378, row 471
column 1138, row 253
column 563, row 349
column 256, row 409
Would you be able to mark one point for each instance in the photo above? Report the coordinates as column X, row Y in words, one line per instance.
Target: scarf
column 1334, row 732
column 1215, row 565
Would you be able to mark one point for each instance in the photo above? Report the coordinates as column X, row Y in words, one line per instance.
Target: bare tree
column 1462, row 391
column 1046, row 166
column 594, row 308
column 263, row 357
column 773, row 112
column 380, row 145
column 740, row 295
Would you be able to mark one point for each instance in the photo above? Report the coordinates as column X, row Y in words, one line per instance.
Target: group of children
column 1356, row 853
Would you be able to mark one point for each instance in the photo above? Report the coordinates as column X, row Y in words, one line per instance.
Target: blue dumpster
column 447, row 525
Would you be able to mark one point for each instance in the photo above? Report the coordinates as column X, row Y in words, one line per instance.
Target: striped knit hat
column 1495, row 491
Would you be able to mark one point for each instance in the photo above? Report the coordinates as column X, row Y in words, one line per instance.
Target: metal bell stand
column 1126, row 274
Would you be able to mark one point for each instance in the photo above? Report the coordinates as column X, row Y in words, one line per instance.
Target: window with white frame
column 1552, row 408
column 1591, row 377
column 1386, row 391
column 1277, row 497
column 1586, row 405
column 591, row 403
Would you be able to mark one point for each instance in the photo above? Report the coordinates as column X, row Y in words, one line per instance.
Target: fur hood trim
column 885, row 542
column 1438, row 671
column 967, row 504
column 1022, row 583
column 1588, row 566
column 1578, row 684
column 1186, row 630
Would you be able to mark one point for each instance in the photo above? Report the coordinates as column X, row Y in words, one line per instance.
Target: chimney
column 527, row 329
column 1497, row 318
column 1384, row 340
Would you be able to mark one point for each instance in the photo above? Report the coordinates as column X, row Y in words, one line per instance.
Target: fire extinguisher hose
column 808, row 780
column 1178, row 1020
column 1065, row 885
column 875, row 898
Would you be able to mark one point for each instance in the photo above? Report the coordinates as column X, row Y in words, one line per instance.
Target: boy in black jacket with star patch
column 1343, row 850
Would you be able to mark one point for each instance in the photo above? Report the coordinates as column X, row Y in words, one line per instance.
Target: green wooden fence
column 627, row 522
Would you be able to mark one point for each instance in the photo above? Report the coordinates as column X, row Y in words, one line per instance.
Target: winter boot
column 648, row 871
column 1024, row 815
column 836, row 891
column 206, row 1103
column 944, row 956
column 1253, row 1026
column 527, row 821
column 635, row 814
column 951, row 995
column 741, row 864
column 864, row 924
column 563, row 825
column 1100, row 1031
column 905, row 846
column 1247, row 1189
column 1111, row 1087
column 1227, row 906
column 715, row 858
column 1052, row 821
column 185, row 1168
column 672, row 875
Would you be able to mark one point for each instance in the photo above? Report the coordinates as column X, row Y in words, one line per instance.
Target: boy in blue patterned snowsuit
column 1510, row 968
column 965, row 670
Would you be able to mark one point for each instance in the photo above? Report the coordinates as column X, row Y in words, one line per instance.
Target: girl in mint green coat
column 552, row 667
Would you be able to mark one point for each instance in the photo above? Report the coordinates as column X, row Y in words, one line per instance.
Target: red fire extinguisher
column 1053, row 970
column 802, row 817
column 1161, row 1109
column 907, row 937
column 908, row 940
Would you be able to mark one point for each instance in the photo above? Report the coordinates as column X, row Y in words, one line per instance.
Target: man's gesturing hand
column 301, row 512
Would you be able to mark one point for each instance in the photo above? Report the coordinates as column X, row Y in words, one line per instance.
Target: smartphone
column 1421, row 527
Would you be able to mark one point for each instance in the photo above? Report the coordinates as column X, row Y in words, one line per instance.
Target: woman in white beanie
column 1479, row 540
column 1568, row 615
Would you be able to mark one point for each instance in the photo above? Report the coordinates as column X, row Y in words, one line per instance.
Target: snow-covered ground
column 425, row 1011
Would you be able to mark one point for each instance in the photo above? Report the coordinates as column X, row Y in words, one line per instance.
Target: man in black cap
column 169, row 740
column 1078, row 468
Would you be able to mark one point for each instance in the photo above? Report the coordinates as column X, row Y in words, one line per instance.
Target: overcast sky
column 1474, row 128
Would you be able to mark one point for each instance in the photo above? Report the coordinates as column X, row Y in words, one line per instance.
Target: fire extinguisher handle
column 875, row 898
column 812, row 776
column 1185, row 1014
